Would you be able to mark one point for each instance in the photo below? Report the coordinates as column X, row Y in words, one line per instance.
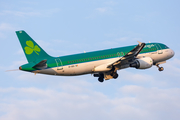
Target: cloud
column 105, row 11
column 14, row 66
column 146, row 17
column 154, row 101
column 110, row 3
column 6, row 27
column 120, row 42
column 19, row 13
column 20, row 52
column 172, row 65
column 137, row 76
column 102, row 10
column 122, row 39
column 30, row 12
column 134, row 102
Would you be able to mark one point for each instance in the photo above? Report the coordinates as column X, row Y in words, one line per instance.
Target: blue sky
column 69, row 27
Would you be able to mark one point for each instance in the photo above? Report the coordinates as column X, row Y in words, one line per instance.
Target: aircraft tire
column 101, row 79
column 115, row 75
column 161, row 68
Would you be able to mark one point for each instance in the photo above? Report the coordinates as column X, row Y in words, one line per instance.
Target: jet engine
column 142, row 63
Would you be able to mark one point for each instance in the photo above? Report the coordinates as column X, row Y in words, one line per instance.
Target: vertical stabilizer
column 31, row 49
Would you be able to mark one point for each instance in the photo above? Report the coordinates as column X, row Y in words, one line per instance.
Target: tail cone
column 20, row 68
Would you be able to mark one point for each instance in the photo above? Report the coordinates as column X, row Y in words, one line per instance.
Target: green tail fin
column 31, row 49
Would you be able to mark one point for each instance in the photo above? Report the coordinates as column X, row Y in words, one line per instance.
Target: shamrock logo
column 30, row 48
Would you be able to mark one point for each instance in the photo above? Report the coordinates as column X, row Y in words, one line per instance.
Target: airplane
column 102, row 64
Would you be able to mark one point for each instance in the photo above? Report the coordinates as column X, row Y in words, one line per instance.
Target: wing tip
column 139, row 43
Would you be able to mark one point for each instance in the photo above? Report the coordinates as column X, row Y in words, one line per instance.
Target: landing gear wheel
column 101, row 79
column 161, row 69
column 115, row 75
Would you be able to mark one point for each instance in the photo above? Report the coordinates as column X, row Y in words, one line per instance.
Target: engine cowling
column 142, row 63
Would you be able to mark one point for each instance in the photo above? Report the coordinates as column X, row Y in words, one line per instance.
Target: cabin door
column 59, row 64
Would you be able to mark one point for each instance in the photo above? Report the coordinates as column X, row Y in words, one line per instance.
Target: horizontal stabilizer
column 41, row 65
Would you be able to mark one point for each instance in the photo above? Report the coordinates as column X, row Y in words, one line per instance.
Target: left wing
column 129, row 57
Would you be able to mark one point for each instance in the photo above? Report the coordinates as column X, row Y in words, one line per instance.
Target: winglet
column 139, row 43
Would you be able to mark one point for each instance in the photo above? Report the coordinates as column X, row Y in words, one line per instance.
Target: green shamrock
column 30, row 48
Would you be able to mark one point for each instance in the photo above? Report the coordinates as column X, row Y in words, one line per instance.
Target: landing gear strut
column 114, row 73
column 160, row 68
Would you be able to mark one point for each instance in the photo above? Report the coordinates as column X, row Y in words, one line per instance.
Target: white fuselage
column 88, row 67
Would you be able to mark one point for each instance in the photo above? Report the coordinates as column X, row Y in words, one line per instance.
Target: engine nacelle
column 142, row 63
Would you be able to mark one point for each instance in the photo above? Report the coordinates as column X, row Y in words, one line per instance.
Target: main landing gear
column 160, row 68
column 101, row 79
column 114, row 75
column 101, row 76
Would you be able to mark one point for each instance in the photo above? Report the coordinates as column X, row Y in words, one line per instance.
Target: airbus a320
column 102, row 64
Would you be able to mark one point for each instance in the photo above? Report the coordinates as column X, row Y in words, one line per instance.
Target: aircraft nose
column 171, row 53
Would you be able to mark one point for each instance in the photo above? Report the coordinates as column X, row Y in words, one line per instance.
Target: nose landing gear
column 160, row 68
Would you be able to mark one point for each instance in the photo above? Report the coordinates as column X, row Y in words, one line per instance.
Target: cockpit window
column 166, row 46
